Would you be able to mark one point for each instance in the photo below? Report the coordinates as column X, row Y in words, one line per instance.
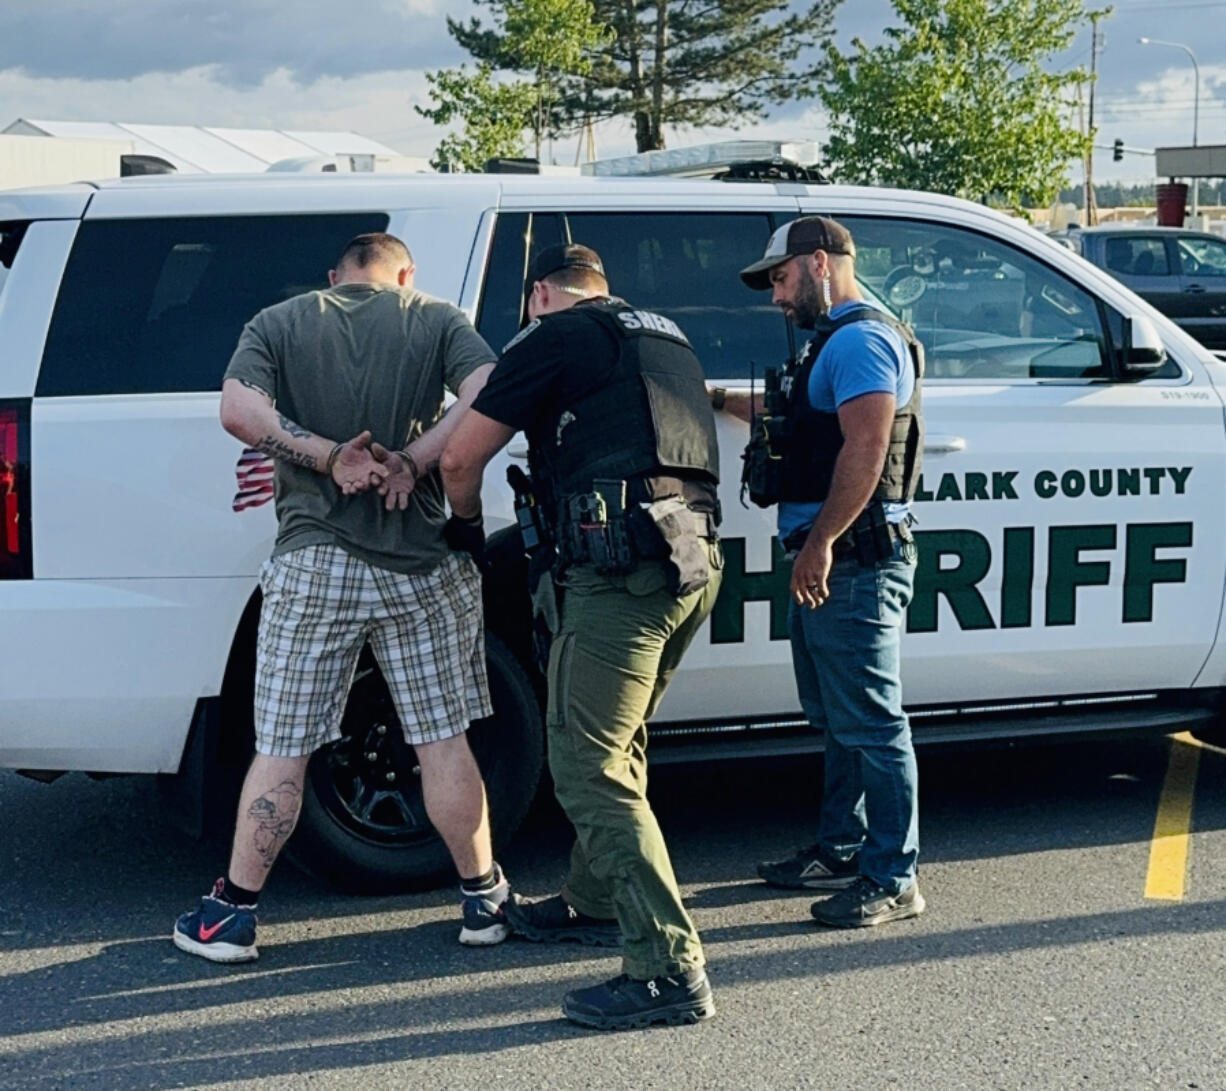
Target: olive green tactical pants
column 620, row 640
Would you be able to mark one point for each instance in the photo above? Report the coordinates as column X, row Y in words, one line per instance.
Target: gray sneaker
column 811, row 869
column 867, row 904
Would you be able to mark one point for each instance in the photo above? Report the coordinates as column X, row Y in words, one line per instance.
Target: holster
column 681, row 532
column 546, row 603
column 870, row 536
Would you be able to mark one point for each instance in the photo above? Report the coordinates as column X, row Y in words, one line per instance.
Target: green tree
column 959, row 100
column 677, row 62
column 549, row 40
column 494, row 116
column 553, row 40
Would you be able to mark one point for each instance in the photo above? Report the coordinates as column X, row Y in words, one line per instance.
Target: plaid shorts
column 321, row 605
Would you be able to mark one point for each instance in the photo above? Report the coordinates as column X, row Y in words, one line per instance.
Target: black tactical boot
column 625, row 1003
column 554, row 920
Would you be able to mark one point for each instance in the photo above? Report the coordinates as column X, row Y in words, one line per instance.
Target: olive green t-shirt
column 350, row 358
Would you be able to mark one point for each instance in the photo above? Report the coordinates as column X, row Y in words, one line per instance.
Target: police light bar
column 703, row 160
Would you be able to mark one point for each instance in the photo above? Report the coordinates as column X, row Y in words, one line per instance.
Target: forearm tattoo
column 270, row 445
column 292, row 428
column 274, row 814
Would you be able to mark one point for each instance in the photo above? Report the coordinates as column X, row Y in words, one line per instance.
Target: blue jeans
column 846, row 657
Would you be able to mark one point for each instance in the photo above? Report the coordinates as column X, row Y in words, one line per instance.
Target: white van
column 1070, row 519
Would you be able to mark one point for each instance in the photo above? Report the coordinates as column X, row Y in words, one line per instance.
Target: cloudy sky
column 318, row 64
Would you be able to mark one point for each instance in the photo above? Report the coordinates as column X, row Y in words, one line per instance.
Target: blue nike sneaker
column 217, row 930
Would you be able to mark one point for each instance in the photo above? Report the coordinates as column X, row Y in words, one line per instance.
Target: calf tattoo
column 274, row 813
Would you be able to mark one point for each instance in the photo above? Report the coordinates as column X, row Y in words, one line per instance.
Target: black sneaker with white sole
column 627, row 1003
column 811, row 869
column 555, row 920
column 485, row 923
column 867, row 904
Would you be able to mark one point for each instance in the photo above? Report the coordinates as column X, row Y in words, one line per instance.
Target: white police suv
column 1071, row 528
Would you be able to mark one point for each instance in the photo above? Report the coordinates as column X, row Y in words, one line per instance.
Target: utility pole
column 1085, row 161
column 1091, row 208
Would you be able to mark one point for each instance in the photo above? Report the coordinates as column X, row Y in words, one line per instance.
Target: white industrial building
column 102, row 149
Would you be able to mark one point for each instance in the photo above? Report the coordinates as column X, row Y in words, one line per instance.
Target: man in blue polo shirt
column 849, row 470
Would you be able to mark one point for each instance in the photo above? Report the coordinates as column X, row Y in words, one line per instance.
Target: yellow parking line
column 1168, row 851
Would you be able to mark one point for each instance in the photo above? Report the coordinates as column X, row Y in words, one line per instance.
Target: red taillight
column 15, row 491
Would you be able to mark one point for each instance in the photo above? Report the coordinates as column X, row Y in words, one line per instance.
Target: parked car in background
column 1182, row 273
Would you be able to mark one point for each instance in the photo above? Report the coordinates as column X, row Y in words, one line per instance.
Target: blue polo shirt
column 863, row 358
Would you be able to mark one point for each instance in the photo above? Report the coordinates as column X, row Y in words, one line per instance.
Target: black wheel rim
column 369, row 782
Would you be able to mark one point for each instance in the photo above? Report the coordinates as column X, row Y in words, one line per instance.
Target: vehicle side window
column 518, row 238
column 156, row 306
column 982, row 309
column 11, row 234
column 1136, row 256
column 1202, row 257
column 686, row 266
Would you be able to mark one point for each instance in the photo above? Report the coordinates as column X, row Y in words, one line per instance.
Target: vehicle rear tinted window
column 518, row 238
column 11, row 234
column 1136, row 256
column 156, row 306
column 685, row 265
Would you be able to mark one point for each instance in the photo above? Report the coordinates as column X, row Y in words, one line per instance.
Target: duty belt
column 577, row 541
column 845, row 544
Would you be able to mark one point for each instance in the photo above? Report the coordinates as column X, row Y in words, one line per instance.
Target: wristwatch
column 719, row 395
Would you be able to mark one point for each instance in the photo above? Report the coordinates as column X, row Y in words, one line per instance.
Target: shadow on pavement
column 201, row 1052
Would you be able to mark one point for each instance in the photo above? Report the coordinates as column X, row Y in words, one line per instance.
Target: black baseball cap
column 571, row 256
column 802, row 236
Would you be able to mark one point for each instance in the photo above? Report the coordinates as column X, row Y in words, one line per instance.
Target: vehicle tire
column 363, row 826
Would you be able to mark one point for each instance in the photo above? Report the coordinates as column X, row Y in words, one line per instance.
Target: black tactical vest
column 645, row 413
column 815, row 438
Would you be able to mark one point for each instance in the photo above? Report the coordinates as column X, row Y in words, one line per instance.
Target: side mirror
column 1143, row 351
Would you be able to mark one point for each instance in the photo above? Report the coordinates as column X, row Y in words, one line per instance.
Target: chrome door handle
column 943, row 445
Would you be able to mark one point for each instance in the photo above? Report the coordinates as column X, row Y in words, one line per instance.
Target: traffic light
column 1117, row 151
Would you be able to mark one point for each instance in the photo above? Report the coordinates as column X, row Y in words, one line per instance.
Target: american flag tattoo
column 254, row 473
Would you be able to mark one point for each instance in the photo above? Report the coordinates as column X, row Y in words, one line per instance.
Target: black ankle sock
column 482, row 883
column 237, row 895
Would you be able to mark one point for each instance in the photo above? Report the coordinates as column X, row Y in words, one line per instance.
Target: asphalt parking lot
column 1041, row 962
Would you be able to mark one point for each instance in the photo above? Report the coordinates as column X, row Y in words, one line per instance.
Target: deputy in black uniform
column 624, row 465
